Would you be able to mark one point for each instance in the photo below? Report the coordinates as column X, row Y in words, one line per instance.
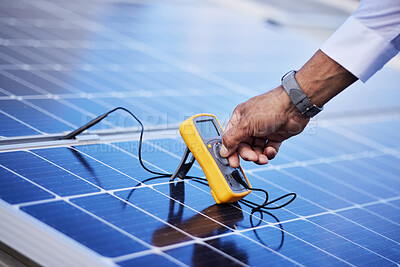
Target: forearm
column 321, row 78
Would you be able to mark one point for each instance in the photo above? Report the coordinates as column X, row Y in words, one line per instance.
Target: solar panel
column 89, row 202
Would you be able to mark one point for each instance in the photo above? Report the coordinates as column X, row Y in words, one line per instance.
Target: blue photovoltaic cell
column 249, row 253
column 331, row 244
column 37, row 119
column 201, row 255
column 388, row 211
column 14, row 87
column 374, row 174
column 45, row 174
column 87, row 168
column 382, row 246
column 84, row 228
column 42, row 83
column 353, row 179
column 11, row 127
column 117, row 159
column 148, row 260
column 130, row 219
column 300, row 184
column 383, row 132
column 375, row 222
column 63, row 63
column 173, row 212
column 15, row 189
column 330, row 185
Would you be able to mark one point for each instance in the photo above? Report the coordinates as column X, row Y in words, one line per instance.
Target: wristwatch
column 297, row 95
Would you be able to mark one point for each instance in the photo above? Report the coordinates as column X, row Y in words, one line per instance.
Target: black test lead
column 202, row 135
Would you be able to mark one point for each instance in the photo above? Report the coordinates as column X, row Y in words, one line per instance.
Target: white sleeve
column 368, row 39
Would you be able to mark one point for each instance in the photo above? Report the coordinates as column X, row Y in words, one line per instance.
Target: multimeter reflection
column 207, row 128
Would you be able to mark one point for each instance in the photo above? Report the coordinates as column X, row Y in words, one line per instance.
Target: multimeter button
column 221, row 159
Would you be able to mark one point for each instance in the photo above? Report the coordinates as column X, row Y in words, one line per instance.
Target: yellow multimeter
column 202, row 135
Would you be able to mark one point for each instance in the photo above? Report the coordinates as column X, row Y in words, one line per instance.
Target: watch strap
column 297, row 95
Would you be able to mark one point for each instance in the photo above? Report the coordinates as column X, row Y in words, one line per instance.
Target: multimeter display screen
column 207, row 128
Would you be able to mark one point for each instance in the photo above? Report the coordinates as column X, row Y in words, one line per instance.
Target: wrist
column 322, row 78
column 287, row 106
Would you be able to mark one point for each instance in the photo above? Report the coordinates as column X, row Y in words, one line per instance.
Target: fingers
column 261, row 158
column 258, row 145
column 234, row 160
column 247, row 153
column 232, row 138
column 271, row 149
column 250, row 153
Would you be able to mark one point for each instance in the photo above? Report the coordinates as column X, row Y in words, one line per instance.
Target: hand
column 259, row 126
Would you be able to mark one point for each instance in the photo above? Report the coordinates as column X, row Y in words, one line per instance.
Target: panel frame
column 35, row 240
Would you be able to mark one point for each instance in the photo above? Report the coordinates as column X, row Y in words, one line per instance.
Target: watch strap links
column 297, row 95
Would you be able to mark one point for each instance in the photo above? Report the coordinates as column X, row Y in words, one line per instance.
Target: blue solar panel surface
column 64, row 63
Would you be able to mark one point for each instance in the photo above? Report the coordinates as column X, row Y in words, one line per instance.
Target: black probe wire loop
column 93, row 122
column 255, row 207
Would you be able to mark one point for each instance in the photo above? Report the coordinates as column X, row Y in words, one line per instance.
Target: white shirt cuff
column 359, row 49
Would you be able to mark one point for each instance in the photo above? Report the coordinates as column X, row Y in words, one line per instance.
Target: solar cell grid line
column 29, row 88
column 15, row 189
column 369, row 180
column 302, row 180
column 344, row 199
column 124, row 151
column 127, row 234
column 31, row 182
column 57, row 120
column 358, row 206
column 157, row 147
column 311, row 184
column 197, row 240
column 292, row 175
column 376, row 183
column 391, row 258
column 362, row 191
column 32, row 105
column 90, row 229
column 35, row 131
column 311, row 162
column 75, row 107
column 344, row 131
column 313, row 165
column 152, row 52
column 138, row 104
column 369, row 230
column 351, row 221
column 100, row 185
column 225, row 226
column 73, row 184
column 389, row 163
column 311, row 158
column 67, row 200
column 379, row 174
column 44, row 76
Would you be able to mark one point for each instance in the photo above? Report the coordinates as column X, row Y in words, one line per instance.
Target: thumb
column 232, row 138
